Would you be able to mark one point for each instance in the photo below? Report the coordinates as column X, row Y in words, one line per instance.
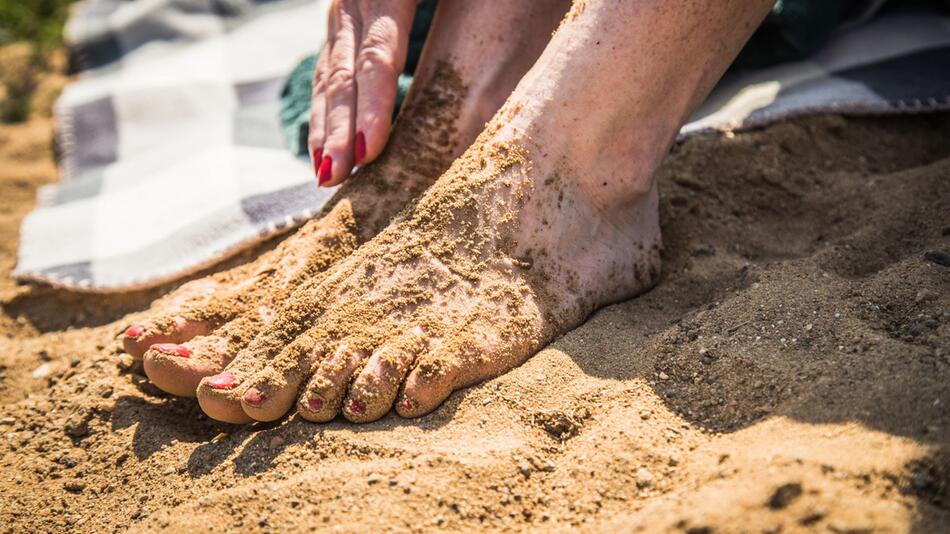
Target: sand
column 790, row 372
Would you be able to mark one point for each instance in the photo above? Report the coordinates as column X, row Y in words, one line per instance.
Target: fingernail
column 134, row 331
column 222, row 381
column 315, row 404
column 357, row 407
column 254, row 397
column 360, row 149
column 326, row 169
column 172, row 349
column 317, row 155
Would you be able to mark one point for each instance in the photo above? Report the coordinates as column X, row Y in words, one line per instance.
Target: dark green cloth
column 792, row 31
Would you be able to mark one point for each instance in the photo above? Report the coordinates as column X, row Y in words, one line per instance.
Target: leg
column 471, row 63
column 551, row 214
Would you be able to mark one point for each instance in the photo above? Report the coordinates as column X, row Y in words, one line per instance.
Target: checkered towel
column 173, row 157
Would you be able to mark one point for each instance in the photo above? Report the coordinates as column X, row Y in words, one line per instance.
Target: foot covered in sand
column 198, row 329
column 525, row 235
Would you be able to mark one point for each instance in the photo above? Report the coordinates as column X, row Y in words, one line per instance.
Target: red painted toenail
column 172, row 349
column 326, row 169
column 357, row 406
column 360, row 148
column 222, row 381
column 254, row 397
column 406, row 404
column 134, row 331
column 317, row 158
column 315, row 404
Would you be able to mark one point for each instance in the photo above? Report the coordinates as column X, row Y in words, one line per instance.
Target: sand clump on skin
column 754, row 401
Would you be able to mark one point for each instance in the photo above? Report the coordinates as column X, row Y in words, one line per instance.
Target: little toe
column 375, row 388
column 431, row 381
column 172, row 329
column 178, row 368
column 323, row 395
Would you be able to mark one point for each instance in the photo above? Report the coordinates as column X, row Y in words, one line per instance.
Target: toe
column 179, row 368
column 220, row 397
column 431, row 381
column 375, row 388
column 171, row 329
column 323, row 395
column 272, row 391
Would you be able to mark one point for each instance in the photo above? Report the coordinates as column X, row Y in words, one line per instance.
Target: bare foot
column 206, row 322
column 551, row 214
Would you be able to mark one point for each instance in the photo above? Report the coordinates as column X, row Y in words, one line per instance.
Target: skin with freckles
column 214, row 318
column 520, row 240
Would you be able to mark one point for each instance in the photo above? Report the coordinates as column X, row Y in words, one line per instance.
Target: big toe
column 220, row 398
column 177, row 329
column 179, row 368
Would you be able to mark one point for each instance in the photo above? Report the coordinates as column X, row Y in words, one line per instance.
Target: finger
column 340, row 101
column 380, row 59
column 318, row 110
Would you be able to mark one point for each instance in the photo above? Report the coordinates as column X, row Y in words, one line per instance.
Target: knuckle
column 340, row 79
column 376, row 59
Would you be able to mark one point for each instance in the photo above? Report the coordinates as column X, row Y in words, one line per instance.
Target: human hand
column 354, row 84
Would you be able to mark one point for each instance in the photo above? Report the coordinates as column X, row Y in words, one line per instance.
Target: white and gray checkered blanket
column 173, row 159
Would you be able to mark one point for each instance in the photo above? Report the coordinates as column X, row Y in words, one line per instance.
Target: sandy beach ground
column 791, row 372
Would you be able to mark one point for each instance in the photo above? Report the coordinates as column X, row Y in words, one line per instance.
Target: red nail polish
column 357, row 407
column 254, row 397
column 360, row 149
column 222, row 381
column 134, row 331
column 172, row 349
column 326, row 169
column 315, row 404
column 317, row 158
column 406, row 405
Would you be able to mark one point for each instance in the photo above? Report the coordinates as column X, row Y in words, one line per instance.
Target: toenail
column 134, row 331
column 357, row 407
column 359, row 151
column 406, row 404
column 315, row 404
column 254, row 397
column 172, row 349
column 222, row 381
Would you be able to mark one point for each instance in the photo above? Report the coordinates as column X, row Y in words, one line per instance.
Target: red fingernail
column 222, row 381
column 315, row 404
column 172, row 349
column 134, row 331
column 317, row 155
column 254, row 397
column 326, row 169
column 357, row 407
column 360, row 149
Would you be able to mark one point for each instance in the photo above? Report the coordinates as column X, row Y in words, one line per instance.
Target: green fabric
column 792, row 31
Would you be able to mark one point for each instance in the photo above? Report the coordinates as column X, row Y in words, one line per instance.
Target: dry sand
column 791, row 372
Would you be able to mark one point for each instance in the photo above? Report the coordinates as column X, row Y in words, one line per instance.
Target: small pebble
column 644, row 478
column 42, row 371
column 374, row 478
column 74, row 486
column 663, row 376
column 276, row 442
